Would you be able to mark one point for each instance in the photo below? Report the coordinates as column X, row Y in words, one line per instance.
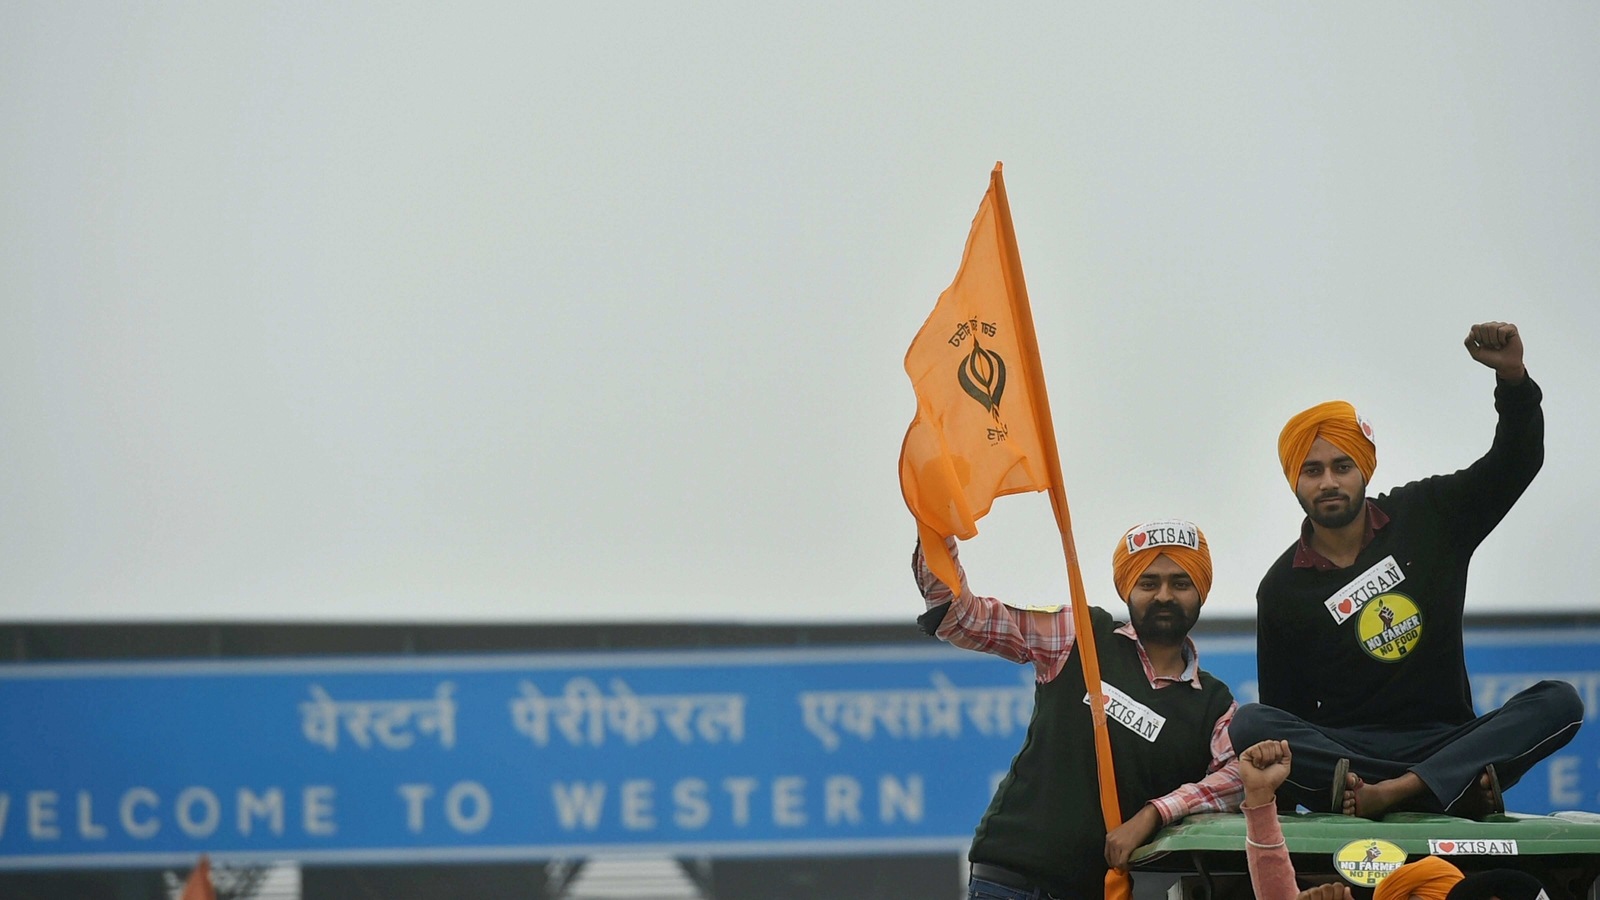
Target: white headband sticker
column 1164, row 533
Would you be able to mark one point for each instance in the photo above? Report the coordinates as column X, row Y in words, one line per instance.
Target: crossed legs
column 1429, row 767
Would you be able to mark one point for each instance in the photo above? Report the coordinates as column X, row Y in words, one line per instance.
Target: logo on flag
column 983, row 377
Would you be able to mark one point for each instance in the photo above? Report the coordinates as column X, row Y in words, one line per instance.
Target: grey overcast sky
column 557, row 312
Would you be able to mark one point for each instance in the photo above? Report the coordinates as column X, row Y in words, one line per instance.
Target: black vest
column 1045, row 818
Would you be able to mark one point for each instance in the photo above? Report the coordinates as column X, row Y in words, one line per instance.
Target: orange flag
column 983, row 430
column 976, row 433
column 198, row 886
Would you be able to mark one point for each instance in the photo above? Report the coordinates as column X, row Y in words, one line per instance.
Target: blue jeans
column 978, row 889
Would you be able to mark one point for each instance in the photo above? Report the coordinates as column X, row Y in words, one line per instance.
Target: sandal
column 1341, row 771
column 1497, row 802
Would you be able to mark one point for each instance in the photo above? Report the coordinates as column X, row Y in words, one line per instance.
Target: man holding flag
column 982, row 430
column 1170, row 719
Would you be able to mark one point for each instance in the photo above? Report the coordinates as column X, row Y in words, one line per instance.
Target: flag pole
column 1018, row 294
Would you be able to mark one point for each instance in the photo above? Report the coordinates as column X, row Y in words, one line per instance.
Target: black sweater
column 1045, row 819
column 1379, row 642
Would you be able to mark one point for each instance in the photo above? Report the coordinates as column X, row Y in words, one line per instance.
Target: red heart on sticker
column 1138, row 540
column 1345, row 606
column 1447, row 846
column 1366, row 429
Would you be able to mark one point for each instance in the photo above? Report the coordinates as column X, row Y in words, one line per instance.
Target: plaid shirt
column 1043, row 636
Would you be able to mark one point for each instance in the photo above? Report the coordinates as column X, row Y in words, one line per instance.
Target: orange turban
column 1182, row 541
column 1336, row 422
column 1430, row 878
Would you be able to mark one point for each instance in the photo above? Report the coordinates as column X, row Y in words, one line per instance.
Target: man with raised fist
column 1359, row 648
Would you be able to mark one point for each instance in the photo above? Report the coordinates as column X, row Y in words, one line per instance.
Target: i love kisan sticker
column 1348, row 600
column 1165, row 533
column 1472, row 847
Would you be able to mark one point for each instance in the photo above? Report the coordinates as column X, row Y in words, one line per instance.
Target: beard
column 1164, row 623
column 1339, row 516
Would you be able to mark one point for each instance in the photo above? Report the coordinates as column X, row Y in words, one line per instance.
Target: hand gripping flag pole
column 980, row 434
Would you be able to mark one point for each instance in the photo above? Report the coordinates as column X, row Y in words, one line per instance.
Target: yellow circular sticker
column 1389, row 627
column 1366, row 862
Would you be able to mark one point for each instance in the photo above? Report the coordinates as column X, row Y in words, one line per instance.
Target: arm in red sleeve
column 1041, row 636
column 1271, row 872
column 1219, row 791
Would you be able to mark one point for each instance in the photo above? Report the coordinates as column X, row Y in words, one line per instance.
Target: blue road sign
column 773, row 751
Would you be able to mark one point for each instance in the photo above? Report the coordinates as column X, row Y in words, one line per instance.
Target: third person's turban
column 1430, row 878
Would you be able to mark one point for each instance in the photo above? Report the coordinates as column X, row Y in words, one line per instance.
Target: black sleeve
column 930, row 621
column 1475, row 499
column 1277, row 682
